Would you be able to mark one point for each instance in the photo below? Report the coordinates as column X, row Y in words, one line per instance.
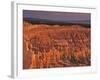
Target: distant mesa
column 84, row 23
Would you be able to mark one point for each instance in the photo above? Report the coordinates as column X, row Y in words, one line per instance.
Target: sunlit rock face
column 53, row 46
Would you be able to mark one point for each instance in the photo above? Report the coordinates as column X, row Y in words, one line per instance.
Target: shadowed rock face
column 50, row 46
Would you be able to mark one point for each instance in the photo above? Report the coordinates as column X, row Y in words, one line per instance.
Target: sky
column 60, row 16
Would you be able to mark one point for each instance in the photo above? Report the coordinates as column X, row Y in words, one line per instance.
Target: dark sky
column 68, row 16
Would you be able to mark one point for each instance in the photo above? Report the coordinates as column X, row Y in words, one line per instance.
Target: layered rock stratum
column 53, row 46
